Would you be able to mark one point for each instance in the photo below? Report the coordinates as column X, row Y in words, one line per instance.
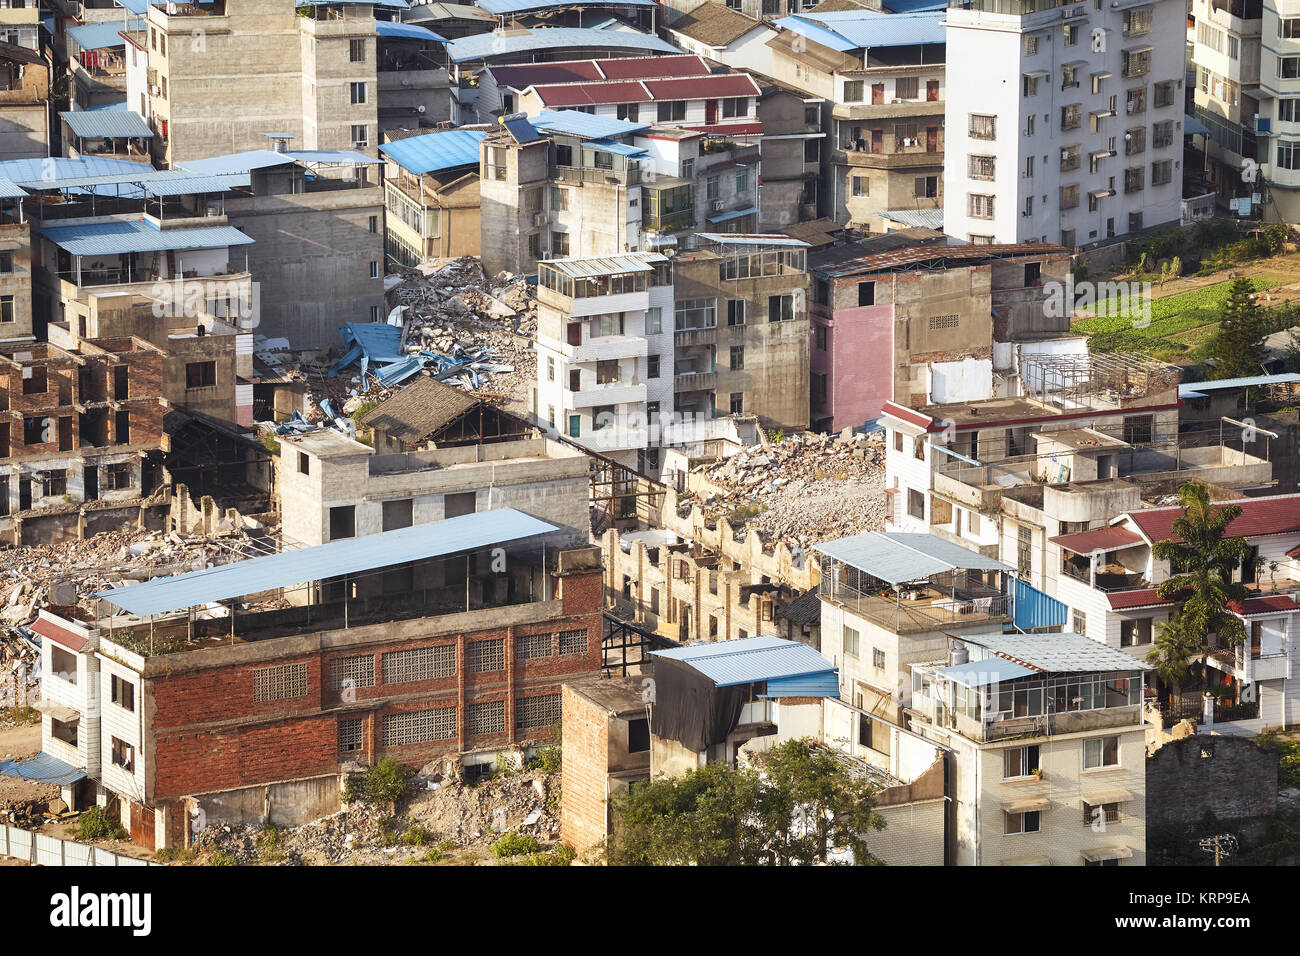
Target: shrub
column 95, row 824
column 175, row 854
column 387, row 780
column 415, row 836
column 222, row 859
column 546, row 759
column 513, row 844
column 22, row 715
column 1288, row 758
column 268, row 844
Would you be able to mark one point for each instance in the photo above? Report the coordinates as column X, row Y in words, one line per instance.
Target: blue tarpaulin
column 43, row 768
column 378, row 347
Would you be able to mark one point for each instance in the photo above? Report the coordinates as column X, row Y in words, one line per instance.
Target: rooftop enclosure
column 1096, row 380
column 913, row 583
column 616, row 275
column 489, row 560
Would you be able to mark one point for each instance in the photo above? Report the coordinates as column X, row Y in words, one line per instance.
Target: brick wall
column 584, row 772
column 1229, row 777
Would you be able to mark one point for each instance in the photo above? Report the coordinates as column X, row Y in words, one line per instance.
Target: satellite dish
column 420, row 108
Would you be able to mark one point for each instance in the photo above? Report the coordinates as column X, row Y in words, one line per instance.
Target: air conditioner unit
column 539, row 219
column 717, row 205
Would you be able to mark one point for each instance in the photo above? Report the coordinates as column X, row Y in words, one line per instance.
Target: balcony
column 606, row 347
column 678, row 220
column 608, row 177
column 909, row 157
column 1110, row 577
column 611, row 393
column 695, row 381
column 941, row 601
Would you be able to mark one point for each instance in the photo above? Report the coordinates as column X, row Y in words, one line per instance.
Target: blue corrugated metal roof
column 190, row 185
column 108, row 123
column 433, row 151
column 925, row 218
column 896, row 557
column 502, row 7
column 290, row 568
column 1034, row 609
column 1193, row 389
column 584, row 125
column 850, row 30
column 405, row 31
column 43, row 768
column 9, row 189
column 483, row 46
column 99, row 36
column 734, row 214
column 826, row 684
column 620, row 149
column 751, row 659
column 136, row 6
column 46, row 173
column 913, row 6
column 123, row 235
column 341, row 156
column 1193, row 127
column 993, row 670
column 119, row 105
column 237, row 162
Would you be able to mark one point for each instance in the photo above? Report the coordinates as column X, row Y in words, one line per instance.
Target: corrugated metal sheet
column 354, row 555
column 912, row 218
column 434, row 151
column 1056, row 653
column 9, row 189
column 620, row 149
column 1289, row 378
column 752, row 659
column 119, row 236
column 734, row 214
column 584, row 125
column 119, row 105
column 484, row 46
column 895, row 557
column 983, row 673
column 100, row 36
column 108, row 123
column 826, row 684
column 189, row 185
column 42, row 173
column 746, row 239
column 405, row 31
column 44, row 768
column 341, row 156
column 1033, row 609
column 606, row 265
column 502, row 7
column 849, row 30
column 237, row 162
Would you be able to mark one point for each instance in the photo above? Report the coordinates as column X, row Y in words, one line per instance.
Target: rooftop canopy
column 435, row 151
column 584, row 125
column 1192, row 389
column 1054, row 653
column 101, row 36
column 895, row 557
column 122, row 236
column 108, row 123
column 503, row 7
column 484, row 46
column 752, row 659
column 266, row 158
column 605, row 266
column 337, row 558
column 850, row 30
column 391, row 30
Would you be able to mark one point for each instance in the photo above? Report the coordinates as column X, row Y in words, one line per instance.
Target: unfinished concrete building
column 81, row 444
column 24, row 98
column 431, row 194
column 15, row 265
column 415, row 644
column 437, row 454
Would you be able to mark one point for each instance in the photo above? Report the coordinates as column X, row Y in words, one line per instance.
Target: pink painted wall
column 861, row 361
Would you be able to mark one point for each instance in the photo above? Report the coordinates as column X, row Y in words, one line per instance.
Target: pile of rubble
column 20, row 667
column 803, row 490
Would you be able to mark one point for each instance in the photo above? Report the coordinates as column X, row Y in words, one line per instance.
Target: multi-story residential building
column 24, row 101
column 412, row 81
column 431, row 196
column 1067, row 125
column 925, row 323
column 605, row 365
column 20, row 24
column 1049, row 748
column 97, row 62
column 15, row 265
column 410, row 644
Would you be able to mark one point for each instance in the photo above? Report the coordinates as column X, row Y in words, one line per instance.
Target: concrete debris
column 803, row 490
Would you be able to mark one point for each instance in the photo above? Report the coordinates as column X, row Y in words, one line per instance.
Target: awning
column 1103, row 797
column 58, row 711
column 993, row 670
column 1027, row 861
column 1107, row 853
column 1099, row 539
column 1038, row 73
column 1194, row 127
column 44, row 769
column 1102, row 75
column 734, row 214
column 1028, row 805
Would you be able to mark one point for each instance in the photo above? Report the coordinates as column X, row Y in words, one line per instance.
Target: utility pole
column 1221, row 845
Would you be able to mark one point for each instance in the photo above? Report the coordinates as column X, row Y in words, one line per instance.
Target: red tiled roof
column 1294, row 552
column 524, row 75
column 1263, row 605
column 1099, row 539
column 723, row 84
column 733, row 129
column 529, row 74
column 60, row 635
column 643, row 67
column 592, row 94
column 1259, row 516
column 905, row 414
column 1127, row 600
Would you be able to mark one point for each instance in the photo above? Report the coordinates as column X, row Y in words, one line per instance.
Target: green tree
column 1202, row 560
column 1238, row 347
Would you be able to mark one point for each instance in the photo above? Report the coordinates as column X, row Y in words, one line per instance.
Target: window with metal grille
column 1025, row 554
column 422, row 663
column 531, row 646
column 1091, row 814
column 350, row 735
column 540, row 711
column 943, row 322
column 417, row 726
column 360, row 670
column 488, row 717
column 283, row 682
column 573, row 642
column 486, row 656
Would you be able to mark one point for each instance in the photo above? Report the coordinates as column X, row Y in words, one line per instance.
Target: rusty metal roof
column 937, row 255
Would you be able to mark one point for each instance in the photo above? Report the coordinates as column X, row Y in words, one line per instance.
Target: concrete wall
column 1230, row 777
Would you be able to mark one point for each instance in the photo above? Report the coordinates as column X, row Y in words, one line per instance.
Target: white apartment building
column 1067, row 125
column 605, row 351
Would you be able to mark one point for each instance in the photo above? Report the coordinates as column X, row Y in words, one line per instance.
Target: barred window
column 573, row 642
column 983, row 126
column 349, row 735
column 488, row 717
column 359, row 670
column 531, row 646
column 417, row 726
column 542, row 711
column 943, row 322
column 979, row 206
column 487, row 656
column 282, row 682
column 422, row 663
column 981, row 167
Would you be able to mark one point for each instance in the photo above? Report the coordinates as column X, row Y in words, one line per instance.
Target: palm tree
column 1203, row 561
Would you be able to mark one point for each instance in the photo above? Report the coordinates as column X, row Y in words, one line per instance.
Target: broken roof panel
column 434, row 151
column 922, row 218
column 122, row 236
column 337, row 558
column 752, row 659
column 418, row 410
column 43, row 768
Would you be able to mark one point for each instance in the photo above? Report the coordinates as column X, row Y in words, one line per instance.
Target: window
column 1070, row 34
column 979, row 206
column 1100, row 752
column 1137, row 22
column 1135, row 632
column 735, row 311
column 418, row 726
column 983, row 126
column 1071, row 116
column 898, row 441
column 980, row 167
column 812, row 116
column 915, row 504
column 736, row 404
column 1136, row 62
column 1093, row 814
column 938, row 322
column 1135, row 101
column 906, row 88
column 398, row 513
column 1024, row 545
column 200, row 374
column 1164, row 94
column 672, row 111
column 360, row 140
column 573, row 642
column 819, row 389
column 1288, row 155
column 867, row 293
column 638, row 735
column 575, row 426
column 1069, row 77
column 420, row 663
column 6, row 262
column 606, row 372
column 1031, row 45
column 654, row 321
column 878, row 658
column 1134, row 178
column 35, row 380
column 486, row 717
column 374, row 269
column 652, row 366
column 918, row 448
column 1162, row 172
column 358, row 93
column 486, row 656
column 925, row 187
column 343, row 522
column 602, row 417
column 122, row 692
column 711, row 187
column 1070, row 196
column 851, row 638
column 356, row 51
column 543, row 711
column 532, row 646
column 735, row 106
column 1030, row 84
column 65, row 730
column 1288, row 28
column 358, row 671
column 737, row 357
column 123, row 755
column 629, row 111
column 780, row 308
column 1022, row 822
column 853, row 90
column 283, row 682
column 1135, row 140
column 54, row 483
column 349, row 735
column 118, row 477
column 459, row 503
column 742, row 181
column 1162, row 134
column 6, row 309
column 861, row 186
column 1020, row 761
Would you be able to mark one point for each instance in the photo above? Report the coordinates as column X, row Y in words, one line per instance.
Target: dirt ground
column 20, row 743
